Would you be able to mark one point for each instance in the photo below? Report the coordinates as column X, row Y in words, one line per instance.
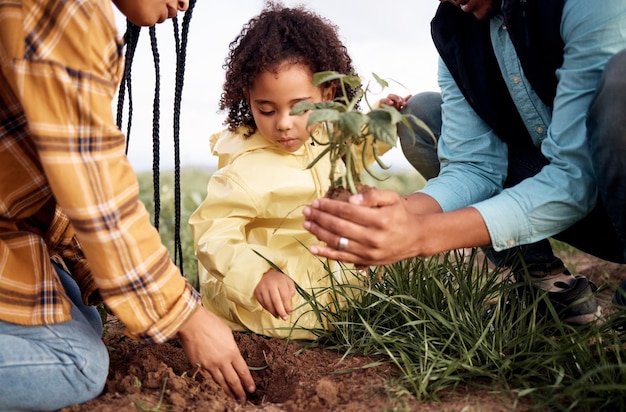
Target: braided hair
column 131, row 39
column 279, row 34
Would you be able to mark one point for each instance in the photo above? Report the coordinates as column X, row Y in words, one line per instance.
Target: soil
column 289, row 376
column 343, row 193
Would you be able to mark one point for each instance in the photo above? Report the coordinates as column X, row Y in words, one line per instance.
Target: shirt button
column 516, row 79
column 539, row 129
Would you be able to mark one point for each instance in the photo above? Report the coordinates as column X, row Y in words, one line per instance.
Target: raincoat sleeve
column 220, row 228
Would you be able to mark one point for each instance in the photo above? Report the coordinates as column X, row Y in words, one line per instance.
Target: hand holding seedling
column 375, row 223
column 274, row 293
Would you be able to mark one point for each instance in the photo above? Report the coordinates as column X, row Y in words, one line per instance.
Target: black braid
column 131, row 38
column 156, row 115
column 181, row 51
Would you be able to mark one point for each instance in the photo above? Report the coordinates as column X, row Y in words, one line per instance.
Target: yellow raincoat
column 254, row 203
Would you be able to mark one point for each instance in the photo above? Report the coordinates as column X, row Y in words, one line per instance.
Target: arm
column 220, row 238
column 564, row 191
column 81, row 151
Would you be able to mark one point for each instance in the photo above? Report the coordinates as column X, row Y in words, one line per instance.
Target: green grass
column 427, row 316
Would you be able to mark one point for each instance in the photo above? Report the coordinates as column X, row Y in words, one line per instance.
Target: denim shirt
column 474, row 159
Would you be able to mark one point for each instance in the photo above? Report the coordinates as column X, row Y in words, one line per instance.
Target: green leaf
column 382, row 126
column 394, row 116
column 323, row 77
column 322, row 115
column 301, row 107
column 382, row 82
column 340, row 107
column 304, row 106
column 353, row 81
column 352, row 123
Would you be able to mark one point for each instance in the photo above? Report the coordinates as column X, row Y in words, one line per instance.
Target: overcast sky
column 390, row 38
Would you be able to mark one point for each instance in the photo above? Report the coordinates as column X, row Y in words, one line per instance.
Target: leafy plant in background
column 349, row 127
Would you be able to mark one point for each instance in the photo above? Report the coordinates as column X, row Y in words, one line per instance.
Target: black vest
column 464, row 45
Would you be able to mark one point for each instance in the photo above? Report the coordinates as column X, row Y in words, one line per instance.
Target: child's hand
column 274, row 293
column 395, row 101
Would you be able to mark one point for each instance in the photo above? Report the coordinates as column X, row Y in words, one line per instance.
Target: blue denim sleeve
column 473, row 159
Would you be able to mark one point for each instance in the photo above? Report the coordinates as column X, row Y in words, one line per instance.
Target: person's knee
column 96, row 371
column 419, row 143
column 91, row 359
column 426, row 106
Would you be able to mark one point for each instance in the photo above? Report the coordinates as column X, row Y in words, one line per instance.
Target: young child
column 255, row 198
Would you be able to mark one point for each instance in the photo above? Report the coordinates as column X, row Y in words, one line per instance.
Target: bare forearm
column 430, row 231
column 452, row 230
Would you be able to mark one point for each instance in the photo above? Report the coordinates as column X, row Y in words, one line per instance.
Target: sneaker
column 572, row 296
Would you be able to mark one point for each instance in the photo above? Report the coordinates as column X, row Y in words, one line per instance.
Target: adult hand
column 274, row 293
column 209, row 343
column 376, row 223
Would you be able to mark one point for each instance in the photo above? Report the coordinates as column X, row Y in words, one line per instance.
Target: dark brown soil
column 289, row 376
column 342, row 193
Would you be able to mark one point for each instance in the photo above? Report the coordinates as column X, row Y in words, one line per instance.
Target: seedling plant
column 351, row 131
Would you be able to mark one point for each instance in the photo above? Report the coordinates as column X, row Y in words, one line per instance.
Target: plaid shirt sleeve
column 61, row 64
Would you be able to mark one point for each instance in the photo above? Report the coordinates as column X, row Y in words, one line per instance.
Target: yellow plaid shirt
column 64, row 177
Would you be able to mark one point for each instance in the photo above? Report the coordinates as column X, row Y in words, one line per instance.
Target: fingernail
column 356, row 199
column 306, row 211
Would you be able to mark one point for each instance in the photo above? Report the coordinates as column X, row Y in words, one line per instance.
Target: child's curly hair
column 277, row 35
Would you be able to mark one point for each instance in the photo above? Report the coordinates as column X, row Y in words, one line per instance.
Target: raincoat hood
column 228, row 145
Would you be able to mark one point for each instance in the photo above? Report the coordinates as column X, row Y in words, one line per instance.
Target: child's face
column 273, row 95
column 150, row 12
